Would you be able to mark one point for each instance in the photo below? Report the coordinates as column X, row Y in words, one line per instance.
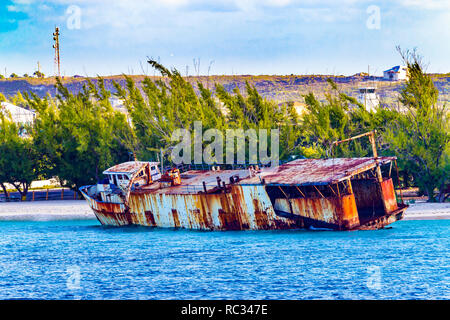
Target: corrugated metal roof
column 315, row 171
column 128, row 167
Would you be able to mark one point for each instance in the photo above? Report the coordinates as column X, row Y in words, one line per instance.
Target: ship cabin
column 139, row 172
column 126, row 176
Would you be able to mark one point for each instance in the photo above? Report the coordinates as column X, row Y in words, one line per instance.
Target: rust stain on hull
column 356, row 203
column 233, row 212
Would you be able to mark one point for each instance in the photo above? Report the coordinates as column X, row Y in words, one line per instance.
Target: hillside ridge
column 280, row 88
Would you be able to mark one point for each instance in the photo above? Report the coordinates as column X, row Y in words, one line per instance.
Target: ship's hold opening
column 369, row 193
column 310, row 191
column 368, row 199
column 330, row 192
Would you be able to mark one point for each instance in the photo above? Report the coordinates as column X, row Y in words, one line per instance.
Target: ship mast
column 371, row 135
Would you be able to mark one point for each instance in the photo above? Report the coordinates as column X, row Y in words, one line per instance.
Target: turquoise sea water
column 83, row 260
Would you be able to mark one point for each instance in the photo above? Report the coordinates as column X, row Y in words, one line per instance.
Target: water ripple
column 38, row 259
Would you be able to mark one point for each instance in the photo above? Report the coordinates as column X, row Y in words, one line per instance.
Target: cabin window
column 153, row 168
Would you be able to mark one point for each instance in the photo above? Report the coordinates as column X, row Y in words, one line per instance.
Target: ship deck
column 302, row 172
column 192, row 182
column 306, row 172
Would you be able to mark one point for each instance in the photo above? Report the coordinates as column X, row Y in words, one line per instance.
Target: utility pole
column 38, row 74
column 56, row 47
column 365, row 93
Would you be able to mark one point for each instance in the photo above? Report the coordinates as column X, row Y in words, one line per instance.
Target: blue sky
column 240, row 36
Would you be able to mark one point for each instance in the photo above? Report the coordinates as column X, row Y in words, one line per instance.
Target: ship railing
column 192, row 189
column 208, row 167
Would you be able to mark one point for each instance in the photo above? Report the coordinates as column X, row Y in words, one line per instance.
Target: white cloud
column 13, row 8
column 148, row 14
column 328, row 15
column 23, row 1
column 116, row 32
column 427, row 4
column 119, row 13
column 277, row 3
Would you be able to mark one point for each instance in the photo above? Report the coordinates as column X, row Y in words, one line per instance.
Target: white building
column 118, row 104
column 18, row 114
column 369, row 98
column 396, row 73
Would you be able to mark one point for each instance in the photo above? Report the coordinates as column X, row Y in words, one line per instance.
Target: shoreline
column 51, row 210
column 428, row 211
column 60, row 210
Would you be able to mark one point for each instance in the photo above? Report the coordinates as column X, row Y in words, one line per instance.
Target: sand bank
column 427, row 211
column 46, row 210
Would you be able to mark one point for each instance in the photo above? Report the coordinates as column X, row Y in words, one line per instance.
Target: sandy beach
column 79, row 210
column 427, row 211
column 46, row 211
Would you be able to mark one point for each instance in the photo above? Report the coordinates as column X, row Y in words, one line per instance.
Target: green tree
column 19, row 100
column 160, row 107
column 420, row 136
column 38, row 74
column 338, row 117
column 18, row 160
column 254, row 112
column 78, row 136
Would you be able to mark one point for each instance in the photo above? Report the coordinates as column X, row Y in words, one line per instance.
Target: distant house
column 18, row 114
column 368, row 97
column 396, row 73
column 299, row 107
column 118, row 104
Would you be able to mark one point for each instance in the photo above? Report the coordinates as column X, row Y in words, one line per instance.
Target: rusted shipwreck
column 335, row 193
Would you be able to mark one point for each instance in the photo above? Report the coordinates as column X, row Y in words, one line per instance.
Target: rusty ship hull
column 336, row 194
